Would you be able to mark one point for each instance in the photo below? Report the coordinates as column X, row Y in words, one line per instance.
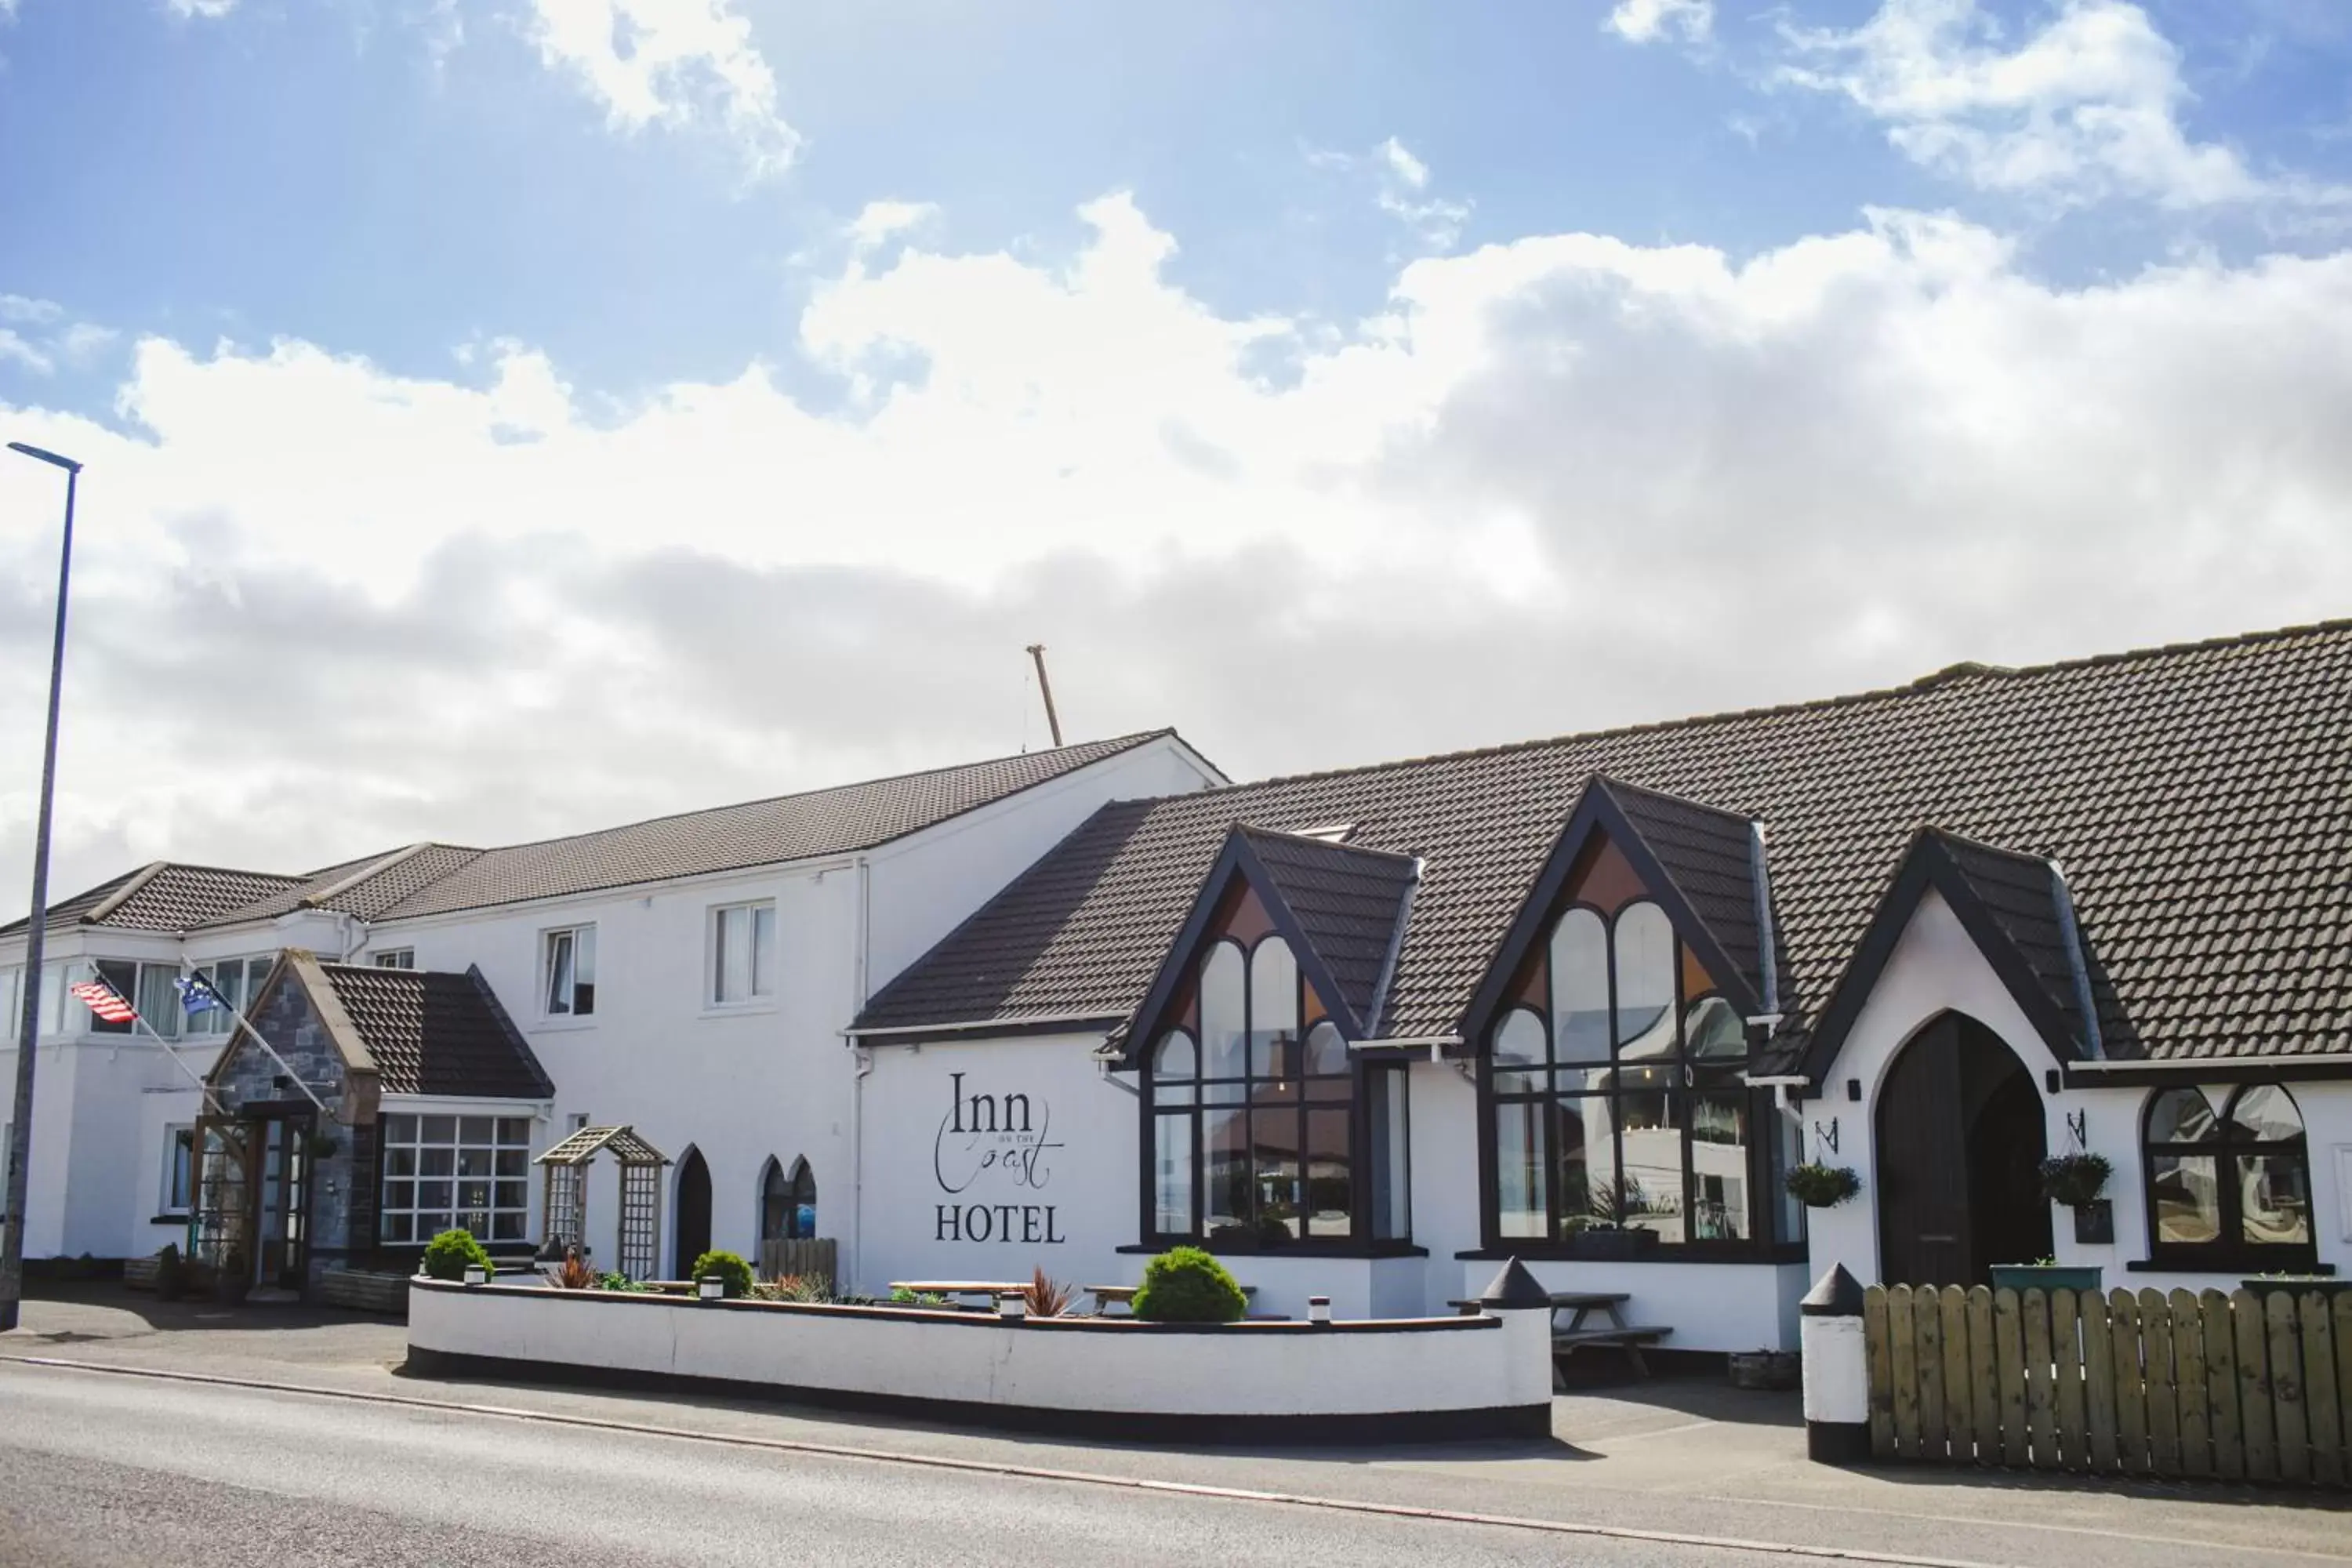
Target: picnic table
column 993, row 1289
column 1616, row 1333
column 1108, row 1296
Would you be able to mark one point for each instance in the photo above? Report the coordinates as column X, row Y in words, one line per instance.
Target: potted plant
column 235, row 1279
column 2266, row 1285
column 2046, row 1274
column 170, row 1274
column 1774, row 1369
column 2077, row 1181
column 1608, row 1231
column 1821, row 1186
column 323, row 1145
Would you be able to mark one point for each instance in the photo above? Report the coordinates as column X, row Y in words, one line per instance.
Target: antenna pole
column 1046, row 688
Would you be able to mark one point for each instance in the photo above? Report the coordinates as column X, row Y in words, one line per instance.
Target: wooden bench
column 991, row 1290
column 1108, row 1296
column 1580, row 1333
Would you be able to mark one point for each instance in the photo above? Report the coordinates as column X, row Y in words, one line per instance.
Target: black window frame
column 1764, row 1241
column 2231, row 1253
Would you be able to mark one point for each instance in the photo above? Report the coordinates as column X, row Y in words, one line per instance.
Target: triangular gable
column 2015, row 908
column 297, row 967
column 1702, row 865
column 1340, row 892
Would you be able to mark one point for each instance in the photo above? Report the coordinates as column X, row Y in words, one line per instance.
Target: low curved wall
column 1405, row 1380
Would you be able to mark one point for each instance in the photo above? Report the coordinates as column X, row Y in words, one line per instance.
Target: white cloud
column 878, row 221
column 1646, row 21
column 1558, row 482
column 205, row 8
column 671, row 62
column 1399, row 179
column 12, row 347
column 2086, row 106
column 40, row 313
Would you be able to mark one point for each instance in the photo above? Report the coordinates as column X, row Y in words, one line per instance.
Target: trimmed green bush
column 448, row 1255
column 1185, row 1285
column 730, row 1267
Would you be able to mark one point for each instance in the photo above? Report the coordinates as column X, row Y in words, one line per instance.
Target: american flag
column 105, row 1001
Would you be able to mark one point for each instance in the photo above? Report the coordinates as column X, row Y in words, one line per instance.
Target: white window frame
column 251, row 971
column 761, row 992
column 394, row 958
column 413, row 1182
column 571, row 1013
column 165, row 1206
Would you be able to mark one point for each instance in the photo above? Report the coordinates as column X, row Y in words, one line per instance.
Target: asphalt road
column 106, row 1469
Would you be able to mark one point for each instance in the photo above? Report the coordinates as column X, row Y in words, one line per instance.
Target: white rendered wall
column 1709, row 1306
column 1240, row 1369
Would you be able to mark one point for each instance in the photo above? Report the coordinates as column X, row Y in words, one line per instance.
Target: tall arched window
column 1253, row 1125
column 1619, row 1103
column 2230, row 1189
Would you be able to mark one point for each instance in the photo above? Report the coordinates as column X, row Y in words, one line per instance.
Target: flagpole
column 259, row 1039
column 179, row 1061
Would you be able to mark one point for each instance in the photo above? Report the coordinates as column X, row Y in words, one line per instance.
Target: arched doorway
column 693, row 1204
column 1960, row 1140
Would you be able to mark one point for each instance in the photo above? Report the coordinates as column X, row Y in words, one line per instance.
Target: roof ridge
column 1973, row 842
column 1255, row 831
column 1122, row 742
column 1613, row 783
column 1919, row 687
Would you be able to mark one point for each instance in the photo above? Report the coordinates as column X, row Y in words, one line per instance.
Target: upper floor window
column 742, row 954
column 567, row 972
column 1616, row 1091
column 2231, row 1190
column 1253, row 1117
column 148, row 988
column 234, row 980
column 396, row 958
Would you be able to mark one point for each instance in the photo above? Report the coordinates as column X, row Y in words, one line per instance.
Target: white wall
column 1078, row 1365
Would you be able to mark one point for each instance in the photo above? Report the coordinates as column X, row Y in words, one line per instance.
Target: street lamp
column 20, row 1146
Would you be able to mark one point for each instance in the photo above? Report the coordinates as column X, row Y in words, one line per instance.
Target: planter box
column 361, row 1292
column 2095, row 1223
column 2023, row 1276
column 1611, row 1246
column 2299, row 1285
column 1766, row 1369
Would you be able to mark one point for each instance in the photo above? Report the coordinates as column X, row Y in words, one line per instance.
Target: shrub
column 170, row 1274
column 2074, row 1179
column 1046, row 1297
column 574, row 1273
column 804, row 1288
column 1186, row 1285
column 612, row 1280
column 1821, row 1187
column 448, row 1255
column 730, row 1267
column 902, row 1297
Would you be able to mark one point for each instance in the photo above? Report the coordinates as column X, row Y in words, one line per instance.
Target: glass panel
column 559, row 973
column 514, row 1131
column 2187, row 1198
column 400, row 1194
column 400, row 1128
column 1719, row 1167
column 473, row 1162
column 584, row 971
column 124, row 979
column 1225, row 1150
column 1522, row 1200
column 506, row 1227
column 2262, row 1113
column 1391, row 1155
column 2274, row 1198
column 474, row 1130
column 1222, row 1018
column 763, row 950
column 2180, row 1116
column 158, row 1003
column 399, row 1227
column 1172, row 1058
column 1712, row 1028
column 1580, row 988
column 182, row 1155
column 432, row 1195
column 1274, row 1008
column 1645, row 981
column 1171, row 1182
column 1653, row 1183
column 399, row 1162
column 435, row 1162
column 1273, row 1161
column 730, row 956
column 512, row 1162
column 1579, row 1131
column 1330, row 1189
column 438, row 1129
column 509, row 1195
column 1327, row 1053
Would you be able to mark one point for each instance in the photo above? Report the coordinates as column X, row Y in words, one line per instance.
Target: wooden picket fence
column 2243, row 1386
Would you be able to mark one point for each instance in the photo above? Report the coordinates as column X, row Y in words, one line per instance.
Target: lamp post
column 20, row 1145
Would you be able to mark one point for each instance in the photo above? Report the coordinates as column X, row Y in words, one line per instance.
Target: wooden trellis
column 640, row 1163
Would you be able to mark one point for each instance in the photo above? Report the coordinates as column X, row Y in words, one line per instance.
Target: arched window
column 1253, row 1125
column 2230, row 1189
column 775, row 1200
column 1625, row 1109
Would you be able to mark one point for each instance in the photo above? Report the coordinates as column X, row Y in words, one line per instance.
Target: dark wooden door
column 1923, row 1164
column 693, row 1210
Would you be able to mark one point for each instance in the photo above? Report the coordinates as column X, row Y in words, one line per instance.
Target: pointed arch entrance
column 693, row 1204
column 1960, row 1139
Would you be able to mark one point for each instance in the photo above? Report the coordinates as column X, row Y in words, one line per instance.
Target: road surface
column 106, row 1469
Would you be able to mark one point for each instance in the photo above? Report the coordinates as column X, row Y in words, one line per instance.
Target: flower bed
column 1407, row 1380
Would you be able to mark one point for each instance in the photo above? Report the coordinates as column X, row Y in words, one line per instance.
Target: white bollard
column 1837, row 1371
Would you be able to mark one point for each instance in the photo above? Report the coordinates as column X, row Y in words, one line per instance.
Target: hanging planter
column 323, row 1145
column 1823, row 1187
column 2075, row 1180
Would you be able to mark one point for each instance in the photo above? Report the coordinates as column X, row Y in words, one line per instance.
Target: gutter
column 855, row 1033
column 2209, row 1064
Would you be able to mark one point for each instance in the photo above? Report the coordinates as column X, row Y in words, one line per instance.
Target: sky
column 509, row 418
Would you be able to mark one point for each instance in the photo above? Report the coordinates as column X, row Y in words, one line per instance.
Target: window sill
column 739, row 1009
column 2242, row 1267
column 562, row 1025
column 1737, row 1252
column 1335, row 1248
column 169, row 1219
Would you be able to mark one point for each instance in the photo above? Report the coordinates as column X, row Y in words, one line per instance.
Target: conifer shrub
column 448, row 1255
column 1185, row 1285
column 730, row 1267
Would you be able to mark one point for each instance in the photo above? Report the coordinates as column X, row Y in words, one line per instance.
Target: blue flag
column 196, row 993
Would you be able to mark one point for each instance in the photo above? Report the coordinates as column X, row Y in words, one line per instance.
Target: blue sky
column 647, row 402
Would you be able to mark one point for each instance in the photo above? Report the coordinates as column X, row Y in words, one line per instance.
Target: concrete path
column 1680, row 1458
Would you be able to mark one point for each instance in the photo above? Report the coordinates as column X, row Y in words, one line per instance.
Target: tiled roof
column 437, row 1033
column 2199, row 798
column 1347, row 900
column 789, row 827
column 162, row 896
column 2020, row 893
column 1710, row 856
column 364, row 888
